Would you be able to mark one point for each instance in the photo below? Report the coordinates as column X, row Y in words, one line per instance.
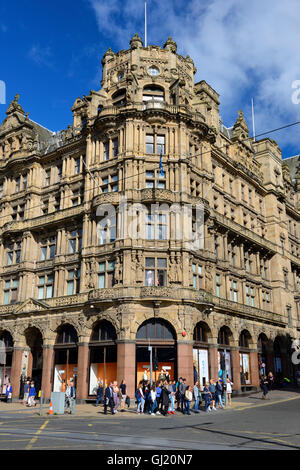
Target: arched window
column 224, row 336
column 67, row 335
column 104, row 331
column 6, row 340
column 155, row 330
column 244, row 339
column 201, row 333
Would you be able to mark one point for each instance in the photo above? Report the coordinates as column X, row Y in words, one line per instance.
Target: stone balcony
column 245, row 311
column 136, row 294
column 243, row 231
column 148, row 195
column 41, row 221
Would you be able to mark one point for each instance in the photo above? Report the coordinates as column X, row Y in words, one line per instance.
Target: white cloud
column 242, row 49
column 42, row 56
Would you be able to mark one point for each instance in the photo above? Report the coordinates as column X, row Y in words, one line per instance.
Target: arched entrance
column 244, row 344
column 65, row 357
column 278, row 359
column 262, row 354
column 200, row 353
column 162, row 337
column 103, row 355
column 34, row 341
column 6, row 353
column 224, row 340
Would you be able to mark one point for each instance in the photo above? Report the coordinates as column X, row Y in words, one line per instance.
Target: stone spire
column 170, row 45
column 15, row 107
column 136, row 42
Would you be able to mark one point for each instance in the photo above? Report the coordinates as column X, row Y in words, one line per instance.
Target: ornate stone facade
column 153, row 136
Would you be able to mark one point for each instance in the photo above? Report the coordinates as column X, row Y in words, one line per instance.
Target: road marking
column 265, row 404
column 34, row 439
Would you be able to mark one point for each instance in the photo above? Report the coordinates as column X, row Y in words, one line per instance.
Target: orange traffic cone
column 51, row 409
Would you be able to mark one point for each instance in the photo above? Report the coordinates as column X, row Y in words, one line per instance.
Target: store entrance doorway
column 161, row 336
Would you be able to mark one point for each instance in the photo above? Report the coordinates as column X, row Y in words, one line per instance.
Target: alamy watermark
column 174, row 222
column 2, row 92
column 296, row 353
column 296, row 94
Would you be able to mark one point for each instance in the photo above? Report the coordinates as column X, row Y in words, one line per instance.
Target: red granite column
column 82, row 371
column 29, row 366
column 213, row 363
column 235, row 366
column 47, row 374
column 16, row 372
column 126, row 365
column 254, row 372
column 185, row 362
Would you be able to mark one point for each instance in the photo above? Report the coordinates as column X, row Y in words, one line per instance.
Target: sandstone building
column 80, row 297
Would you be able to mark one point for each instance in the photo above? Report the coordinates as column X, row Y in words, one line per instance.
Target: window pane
column 150, row 262
column 101, row 281
column 102, row 267
column 70, row 287
column 161, row 262
column 149, row 281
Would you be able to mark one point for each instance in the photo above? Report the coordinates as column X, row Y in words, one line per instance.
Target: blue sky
column 50, row 53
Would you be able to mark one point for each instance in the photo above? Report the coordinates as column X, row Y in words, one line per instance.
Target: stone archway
column 34, row 342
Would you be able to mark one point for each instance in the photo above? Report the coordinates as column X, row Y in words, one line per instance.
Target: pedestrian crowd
column 166, row 397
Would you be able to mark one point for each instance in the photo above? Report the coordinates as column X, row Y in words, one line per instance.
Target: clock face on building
column 153, row 71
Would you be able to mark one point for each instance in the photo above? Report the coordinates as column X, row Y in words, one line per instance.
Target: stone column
column 82, row 371
column 185, row 362
column 213, row 362
column 235, row 367
column 254, row 373
column 126, row 360
column 47, row 373
column 16, row 371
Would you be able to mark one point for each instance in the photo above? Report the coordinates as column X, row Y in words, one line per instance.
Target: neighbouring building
column 91, row 275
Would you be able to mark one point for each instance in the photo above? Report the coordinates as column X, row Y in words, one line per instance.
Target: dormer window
column 153, row 96
column 119, row 98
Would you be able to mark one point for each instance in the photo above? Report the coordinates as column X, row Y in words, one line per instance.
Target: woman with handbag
column 188, row 399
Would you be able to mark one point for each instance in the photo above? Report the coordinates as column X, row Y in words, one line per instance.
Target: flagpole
column 145, row 23
column 253, row 122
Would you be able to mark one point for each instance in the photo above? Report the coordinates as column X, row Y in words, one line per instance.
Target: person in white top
column 229, row 391
column 153, row 399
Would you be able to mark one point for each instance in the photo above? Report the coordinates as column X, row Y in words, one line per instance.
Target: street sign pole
column 150, row 349
column 225, row 378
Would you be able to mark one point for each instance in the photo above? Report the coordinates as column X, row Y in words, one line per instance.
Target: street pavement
column 250, row 424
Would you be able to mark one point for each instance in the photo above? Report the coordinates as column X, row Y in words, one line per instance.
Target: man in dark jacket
column 165, row 398
column 109, row 399
column 182, row 388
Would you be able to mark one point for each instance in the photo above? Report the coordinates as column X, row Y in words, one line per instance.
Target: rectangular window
column 106, row 274
column 154, row 179
column 77, row 166
column 156, row 272
column 45, row 286
column 218, row 285
column 73, row 281
column 75, row 241
column 47, row 177
column 115, row 145
column 161, row 144
column 149, row 143
column 11, row 291
column 106, row 150
column 48, row 248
